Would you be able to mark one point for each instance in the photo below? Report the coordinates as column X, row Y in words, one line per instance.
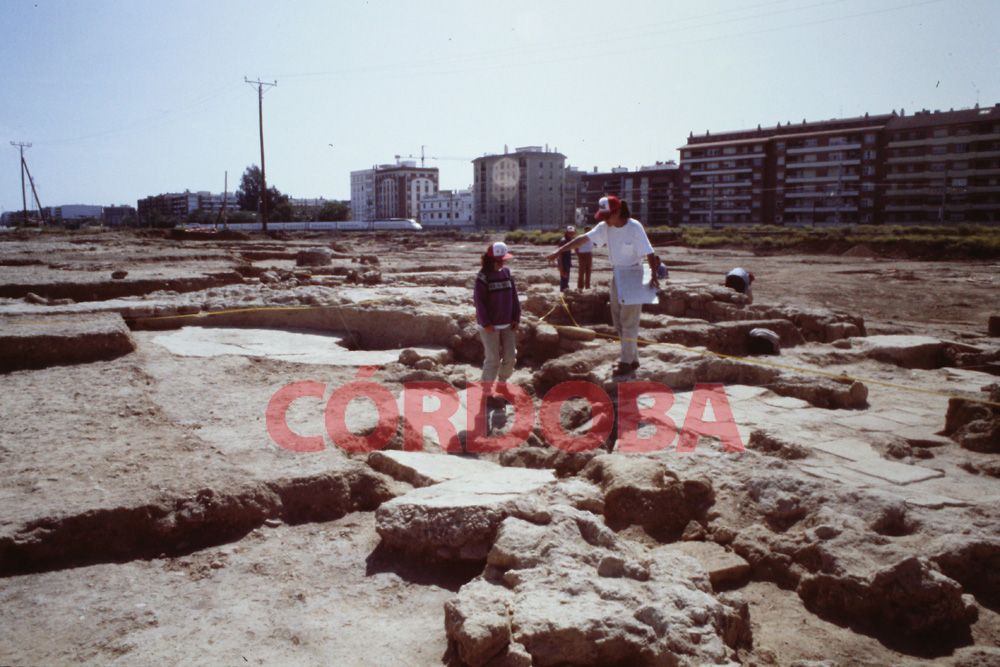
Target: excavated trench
column 185, row 523
column 115, row 289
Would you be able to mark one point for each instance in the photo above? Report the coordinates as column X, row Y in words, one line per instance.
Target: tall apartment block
column 943, row 167
column 523, row 189
column 363, row 194
column 652, row 192
column 391, row 190
column 824, row 171
column 927, row 167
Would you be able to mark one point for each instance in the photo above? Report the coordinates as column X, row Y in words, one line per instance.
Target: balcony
column 835, row 163
column 719, row 198
column 820, row 193
column 967, row 155
column 720, row 171
column 912, row 143
column 719, row 211
column 721, row 158
column 902, row 176
column 821, row 209
column 721, row 185
column 817, row 149
column 823, row 179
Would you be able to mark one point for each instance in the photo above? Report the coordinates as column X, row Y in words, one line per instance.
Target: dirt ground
column 147, row 515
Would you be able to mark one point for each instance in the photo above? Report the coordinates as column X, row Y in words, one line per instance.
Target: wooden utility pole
column 34, row 191
column 260, row 115
column 225, row 200
column 24, row 195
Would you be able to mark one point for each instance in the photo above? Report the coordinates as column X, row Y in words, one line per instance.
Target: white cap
column 499, row 250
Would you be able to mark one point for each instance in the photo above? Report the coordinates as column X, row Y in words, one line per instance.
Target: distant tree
column 248, row 196
column 334, row 211
column 241, row 216
column 157, row 219
column 199, row 217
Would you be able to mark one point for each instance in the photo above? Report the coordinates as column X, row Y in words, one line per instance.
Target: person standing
column 627, row 246
column 566, row 258
column 585, row 255
column 498, row 312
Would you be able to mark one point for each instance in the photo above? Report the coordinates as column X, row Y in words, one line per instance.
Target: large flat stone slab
column 457, row 519
column 725, row 569
column 849, row 449
column 294, row 346
column 897, row 473
column 425, row 469
column 870, row 422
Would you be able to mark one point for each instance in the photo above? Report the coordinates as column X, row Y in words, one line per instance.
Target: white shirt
column 627, row 245
column 587, row 247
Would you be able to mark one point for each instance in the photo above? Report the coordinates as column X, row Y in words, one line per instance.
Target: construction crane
column 423, row 157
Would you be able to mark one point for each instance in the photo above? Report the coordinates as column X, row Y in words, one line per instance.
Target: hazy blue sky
column 132, row 98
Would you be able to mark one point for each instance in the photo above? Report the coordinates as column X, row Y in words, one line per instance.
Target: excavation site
column 230, row 449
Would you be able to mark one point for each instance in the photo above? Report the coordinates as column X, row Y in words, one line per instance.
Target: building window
column 869, row 138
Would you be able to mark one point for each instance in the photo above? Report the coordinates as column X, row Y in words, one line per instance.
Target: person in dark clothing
column 566, row 259
column 498, row 312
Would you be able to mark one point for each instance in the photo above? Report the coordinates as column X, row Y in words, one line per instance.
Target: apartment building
column 817, row 172
column 522, row 189
column 652, row 192
column 180, row 204
column 363, row 194
column 447, row 209
column 943, row 167
column 400, row 187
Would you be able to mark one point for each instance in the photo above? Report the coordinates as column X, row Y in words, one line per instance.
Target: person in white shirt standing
column 627, row 245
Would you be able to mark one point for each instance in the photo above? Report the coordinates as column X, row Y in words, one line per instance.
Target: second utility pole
column 260, row 115
column 24, row 197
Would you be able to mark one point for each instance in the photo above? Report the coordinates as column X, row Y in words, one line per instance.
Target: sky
column 121, row 100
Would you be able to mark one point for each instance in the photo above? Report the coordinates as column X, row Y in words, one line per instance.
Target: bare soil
column 147, row 516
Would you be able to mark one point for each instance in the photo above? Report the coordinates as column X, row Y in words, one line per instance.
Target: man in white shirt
column 627, row 245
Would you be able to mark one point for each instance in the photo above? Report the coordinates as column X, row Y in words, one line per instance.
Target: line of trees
column 279, row 207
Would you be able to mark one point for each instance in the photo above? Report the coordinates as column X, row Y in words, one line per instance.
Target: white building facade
column 447, row 209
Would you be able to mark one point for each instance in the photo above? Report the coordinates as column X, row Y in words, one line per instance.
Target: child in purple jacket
column 498, row 312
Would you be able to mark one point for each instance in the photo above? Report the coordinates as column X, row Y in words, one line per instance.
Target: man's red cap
column 607, row 207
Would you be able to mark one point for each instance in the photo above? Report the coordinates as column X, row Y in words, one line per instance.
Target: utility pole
column 840, row 178
column 225, row 198
column 34, row 191
column 24, row 196
column 711, row 204
column 260, row 116
column 944, row 197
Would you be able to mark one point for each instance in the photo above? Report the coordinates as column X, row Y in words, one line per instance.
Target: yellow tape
column 840, row 377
